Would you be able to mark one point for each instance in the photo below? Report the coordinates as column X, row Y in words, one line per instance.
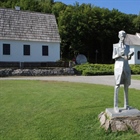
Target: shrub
column 135, row 69
column 95, row 69
column 101, row 69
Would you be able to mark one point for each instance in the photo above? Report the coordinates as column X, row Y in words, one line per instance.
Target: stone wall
column 120, row 123
column 36, row 72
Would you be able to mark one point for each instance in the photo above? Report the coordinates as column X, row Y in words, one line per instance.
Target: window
column 6, row 49
column 138, row 54
column 45, row 50
column 26, row 49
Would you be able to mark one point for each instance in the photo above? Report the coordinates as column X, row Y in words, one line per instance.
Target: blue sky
column 125, row 6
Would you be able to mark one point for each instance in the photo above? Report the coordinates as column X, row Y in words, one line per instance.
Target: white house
column 28, row 36
column 134, row 42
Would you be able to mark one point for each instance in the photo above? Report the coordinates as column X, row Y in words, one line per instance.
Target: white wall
column 16, row 51
column 134, row 59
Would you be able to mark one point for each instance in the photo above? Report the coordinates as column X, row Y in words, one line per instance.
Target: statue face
column 122, row 35
column 122, row 38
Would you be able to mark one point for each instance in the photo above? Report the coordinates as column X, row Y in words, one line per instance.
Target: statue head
column 122, row 35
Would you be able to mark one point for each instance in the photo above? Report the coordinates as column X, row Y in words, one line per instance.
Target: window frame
column 138, row 55
column 26, row 50
column 45, row 50
column 6, row 49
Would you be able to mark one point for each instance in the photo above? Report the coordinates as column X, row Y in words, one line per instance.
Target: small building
column 134, row 42
column 28, row 36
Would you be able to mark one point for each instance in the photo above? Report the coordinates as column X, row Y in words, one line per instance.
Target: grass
column 136, row 77
column 41, row 110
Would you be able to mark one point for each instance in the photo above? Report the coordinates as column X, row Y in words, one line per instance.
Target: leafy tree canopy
column 84, row 28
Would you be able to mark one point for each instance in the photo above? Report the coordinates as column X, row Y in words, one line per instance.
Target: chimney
column 17, row 8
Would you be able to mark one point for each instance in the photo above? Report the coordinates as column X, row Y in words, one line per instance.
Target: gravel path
column 102, row 80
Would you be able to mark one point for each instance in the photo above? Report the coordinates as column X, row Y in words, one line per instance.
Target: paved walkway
column 103, row 80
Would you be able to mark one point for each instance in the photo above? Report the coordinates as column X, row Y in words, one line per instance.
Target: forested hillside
column 84, row 28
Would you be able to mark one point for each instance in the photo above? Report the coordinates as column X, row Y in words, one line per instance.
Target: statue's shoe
column 127, row 107
column 116, row 110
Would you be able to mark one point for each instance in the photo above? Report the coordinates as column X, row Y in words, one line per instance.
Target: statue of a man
column 122, row 72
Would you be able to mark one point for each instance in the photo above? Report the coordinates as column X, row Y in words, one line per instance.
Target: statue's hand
column 122, row 53
column 129, row 57
column 125, row 57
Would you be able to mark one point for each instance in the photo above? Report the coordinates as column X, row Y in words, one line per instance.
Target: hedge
column 101, row 69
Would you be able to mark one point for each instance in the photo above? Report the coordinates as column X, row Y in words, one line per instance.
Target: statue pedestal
column 123, row 112
column 122, row 121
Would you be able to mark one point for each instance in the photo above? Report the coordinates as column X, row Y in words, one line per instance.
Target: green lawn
column 136, row 77
column 41, row 110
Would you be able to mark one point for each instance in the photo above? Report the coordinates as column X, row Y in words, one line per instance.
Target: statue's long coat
column 122, row 70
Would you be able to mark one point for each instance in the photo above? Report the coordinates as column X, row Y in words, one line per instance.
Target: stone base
column 122, row 121
column 122, row 112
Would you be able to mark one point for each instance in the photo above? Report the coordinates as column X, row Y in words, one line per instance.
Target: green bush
column 135, row 69
column 95, row 69
column 101, row 69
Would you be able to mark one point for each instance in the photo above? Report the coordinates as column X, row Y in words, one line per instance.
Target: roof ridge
column 24, row 25
column 138, row 35
column 132, row 39
column 28, row 11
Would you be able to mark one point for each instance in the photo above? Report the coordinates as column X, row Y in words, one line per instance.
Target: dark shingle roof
column 28, row 26
column 132, row 39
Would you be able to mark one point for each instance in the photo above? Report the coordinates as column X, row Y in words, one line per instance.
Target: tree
column 136, row 23
column 83, row 28
column 57, row 8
